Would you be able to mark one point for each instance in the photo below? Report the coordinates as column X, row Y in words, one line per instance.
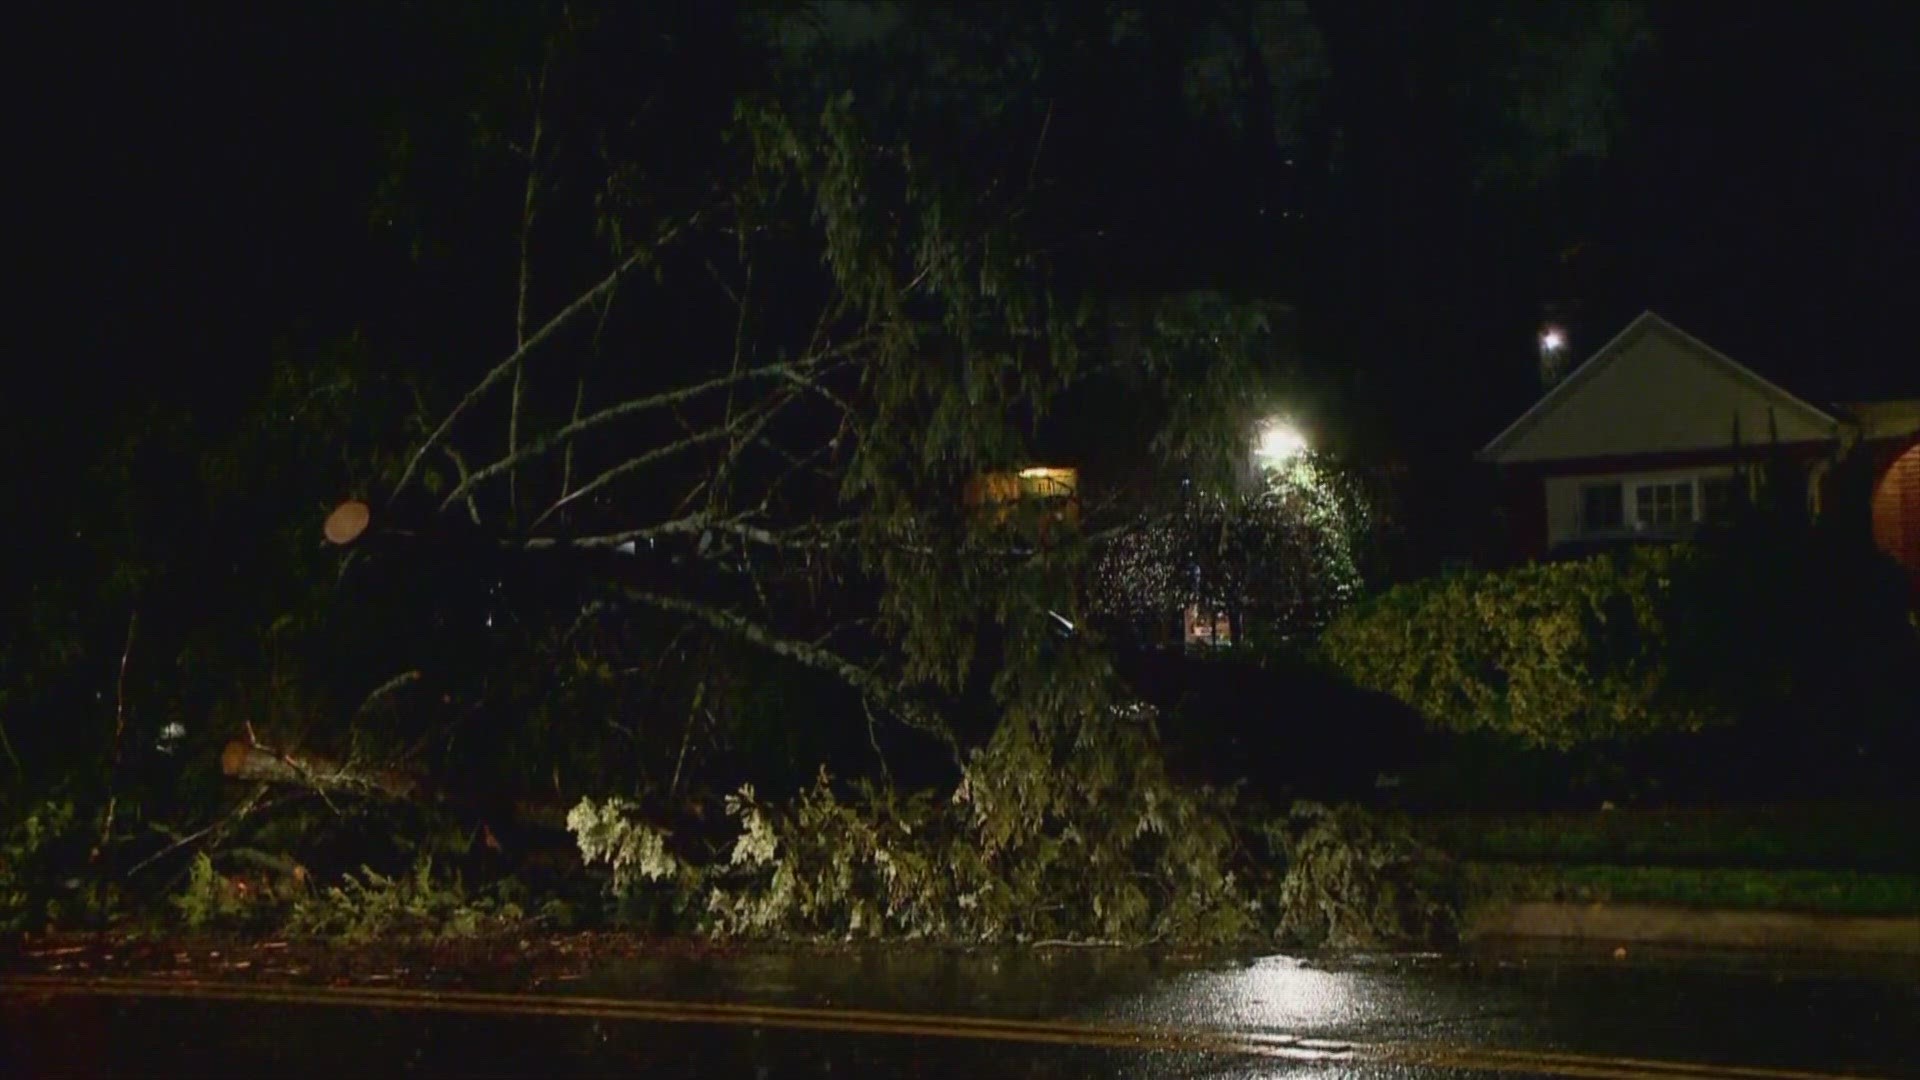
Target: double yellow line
column 918, row 1025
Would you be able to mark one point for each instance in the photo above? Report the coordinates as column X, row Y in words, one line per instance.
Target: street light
column 1552, row 340
column 1279, row 443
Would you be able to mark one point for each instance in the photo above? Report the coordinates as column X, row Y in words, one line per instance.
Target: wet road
column 1066, row 1013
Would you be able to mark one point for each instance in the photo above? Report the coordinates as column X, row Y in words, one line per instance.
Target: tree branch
column 460, row 466
column 612, row 412
column 580, row 390
column 633, row 464
column 218, row 830
column 689, row 525
column 867, row 682
column 506, row 367
column 526, row 275
column 119, row 729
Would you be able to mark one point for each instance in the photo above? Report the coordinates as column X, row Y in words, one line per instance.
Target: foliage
column 47, row 877
column 1555, row 654
column 414, row 903
column 212, row 899
column 698, row 483
column 1161, row 866
column 22, row 856
column 1767, row 623
column 857, row 336
column 1278, row 561
column 826, row 867
column 612, row 831
column 1356, row 880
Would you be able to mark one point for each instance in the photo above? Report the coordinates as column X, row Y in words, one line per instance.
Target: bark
column 242, row 761
column 316, row 772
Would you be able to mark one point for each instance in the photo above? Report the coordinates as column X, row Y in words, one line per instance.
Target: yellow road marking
column 662, row 1011
column 871, row 1022
column 1492, row 1059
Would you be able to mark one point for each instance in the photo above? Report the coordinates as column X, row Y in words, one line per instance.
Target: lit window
column 1207, row 626
column 1048, row 483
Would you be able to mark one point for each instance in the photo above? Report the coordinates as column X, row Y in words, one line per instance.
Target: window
column 1663, row 505
column 1207, row 626
column 1602, row 510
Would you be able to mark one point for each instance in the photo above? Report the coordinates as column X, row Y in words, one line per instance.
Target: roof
column 1646, row 324
column 1884, row 419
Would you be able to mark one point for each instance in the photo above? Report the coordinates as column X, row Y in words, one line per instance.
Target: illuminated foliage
column 1768, row 624
column 1279, row 561
column 1556, row 654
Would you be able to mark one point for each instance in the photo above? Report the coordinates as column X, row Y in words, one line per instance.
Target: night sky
column 205, row 183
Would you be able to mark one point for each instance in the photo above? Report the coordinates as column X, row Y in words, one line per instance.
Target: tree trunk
column 242, row 761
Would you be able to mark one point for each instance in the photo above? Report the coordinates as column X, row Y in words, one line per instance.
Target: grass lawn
column 1788, row 838
column 1834, row 892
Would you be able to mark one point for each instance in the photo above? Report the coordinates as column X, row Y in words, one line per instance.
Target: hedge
column 1557, row 654
column 1791, row 630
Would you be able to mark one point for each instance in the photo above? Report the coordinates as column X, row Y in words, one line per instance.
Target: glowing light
column 347, row 522
column 1042, row 473
column 1552, row 339
column 1280, row 442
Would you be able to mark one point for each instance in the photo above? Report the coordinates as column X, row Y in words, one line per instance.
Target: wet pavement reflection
column 1330, row 1017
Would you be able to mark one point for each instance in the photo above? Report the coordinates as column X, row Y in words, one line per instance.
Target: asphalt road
column 1056, row 1014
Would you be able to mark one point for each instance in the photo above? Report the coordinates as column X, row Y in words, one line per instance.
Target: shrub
column 1002, row 861
column 1556, row 654
column 1356, row 880
column 45, row 875
column 613, row 832
column 416, row 903
column 212, row 899
column 1800, row 637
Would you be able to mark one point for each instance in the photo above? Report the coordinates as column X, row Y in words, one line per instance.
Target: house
column 1651, row 436
column 1052, row 490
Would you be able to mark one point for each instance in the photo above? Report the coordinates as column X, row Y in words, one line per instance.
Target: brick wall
column 1896, row 511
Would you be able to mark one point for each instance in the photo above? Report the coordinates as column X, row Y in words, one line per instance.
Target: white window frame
column 1631, row 492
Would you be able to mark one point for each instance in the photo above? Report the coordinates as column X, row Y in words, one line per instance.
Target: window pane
column 1663, row 504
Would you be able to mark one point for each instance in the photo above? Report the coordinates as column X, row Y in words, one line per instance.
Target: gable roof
column 1648, row 323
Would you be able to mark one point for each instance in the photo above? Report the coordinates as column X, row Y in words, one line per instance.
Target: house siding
column 1656, row 391
column 1564, row 498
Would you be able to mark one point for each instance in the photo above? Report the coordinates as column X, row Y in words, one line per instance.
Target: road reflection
column 1271, row 994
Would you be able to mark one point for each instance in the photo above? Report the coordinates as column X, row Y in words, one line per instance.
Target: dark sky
column 1766, row 192
column 205, row 184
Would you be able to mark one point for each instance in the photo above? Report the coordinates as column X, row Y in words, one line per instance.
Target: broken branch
column 506, row 367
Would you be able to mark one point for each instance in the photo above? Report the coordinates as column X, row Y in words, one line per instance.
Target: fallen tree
column 765, row 526
column 316, row 772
